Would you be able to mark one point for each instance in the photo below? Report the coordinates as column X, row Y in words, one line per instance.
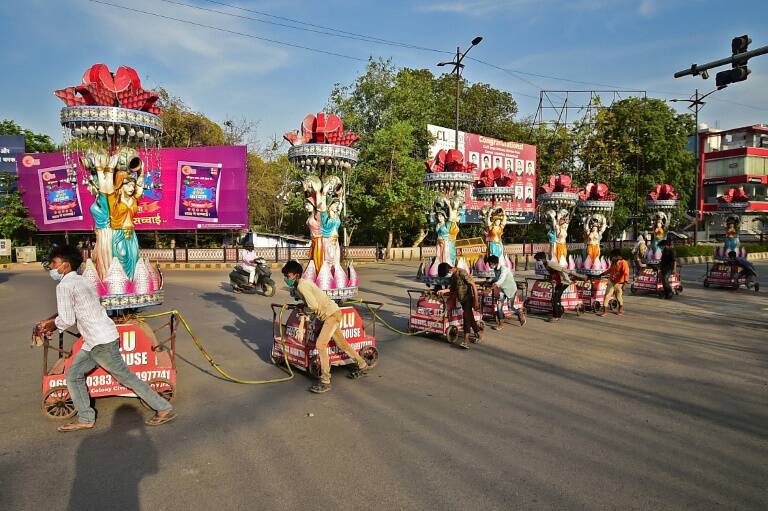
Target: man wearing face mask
column 78, row 304
column 324, row 309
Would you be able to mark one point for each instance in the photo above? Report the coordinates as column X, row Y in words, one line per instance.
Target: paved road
column 665, row 408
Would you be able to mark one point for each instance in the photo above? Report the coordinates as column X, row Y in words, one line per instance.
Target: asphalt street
column 664, row 408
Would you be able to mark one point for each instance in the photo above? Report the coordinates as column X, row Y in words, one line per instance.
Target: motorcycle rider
column 248, row 262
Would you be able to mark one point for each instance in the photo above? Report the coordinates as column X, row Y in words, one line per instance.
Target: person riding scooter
column 741, row 268
column 248, row 262
column 252, row 276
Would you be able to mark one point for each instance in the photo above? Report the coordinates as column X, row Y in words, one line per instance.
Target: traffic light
column 740, row 71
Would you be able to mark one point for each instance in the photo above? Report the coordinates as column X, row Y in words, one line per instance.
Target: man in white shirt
column 78, row 304
column 249, row 262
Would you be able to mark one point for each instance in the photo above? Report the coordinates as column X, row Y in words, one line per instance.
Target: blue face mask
column 55, row 275
column 289, row 282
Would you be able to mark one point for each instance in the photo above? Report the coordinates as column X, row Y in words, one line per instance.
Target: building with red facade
column 734, row 158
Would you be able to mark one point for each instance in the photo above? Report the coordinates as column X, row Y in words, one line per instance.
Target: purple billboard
column 195, row 188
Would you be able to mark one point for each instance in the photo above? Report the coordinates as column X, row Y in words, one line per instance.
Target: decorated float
column 449, row 175
column 660, row 204
column 730, row 208
column 111, row 133
column 556, row 199
column 322, row 150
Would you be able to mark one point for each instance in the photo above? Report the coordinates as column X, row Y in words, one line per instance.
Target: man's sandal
column 159, row 420
column 75, row 426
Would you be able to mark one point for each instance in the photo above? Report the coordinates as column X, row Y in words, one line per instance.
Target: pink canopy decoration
column 558, row 183
column 734, row 196
column 451, row 160
column 596, row 192
column 663, row 192
column 494, row 177
column 322, row 129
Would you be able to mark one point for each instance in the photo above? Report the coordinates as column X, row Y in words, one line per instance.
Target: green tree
column 183, row 127
column 33, row 142
column 15, row 223
column 632, row 145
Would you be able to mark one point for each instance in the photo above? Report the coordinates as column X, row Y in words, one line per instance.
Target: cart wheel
column 597, row 307
column 633, row 289
column 278, row 360
column 452, row 334
column 371, row 355
column 313, row 369
column 579, row 310
column 165, row 388
column 679, row 290
column 269, row 289
column 706, row 282
column 57, row 403
column 613, row 304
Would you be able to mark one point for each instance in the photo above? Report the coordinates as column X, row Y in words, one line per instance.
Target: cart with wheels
column 489, row 302
column 649, row 281
column 722, row 274
column 539, row 299
column 295, row 333
column 429, row 314
column 151, row 360
column 592, row 292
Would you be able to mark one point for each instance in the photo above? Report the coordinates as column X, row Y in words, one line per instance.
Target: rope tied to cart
column 218, row 368
column 384, row 322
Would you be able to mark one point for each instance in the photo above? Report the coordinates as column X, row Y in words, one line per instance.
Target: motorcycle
column 264, row 284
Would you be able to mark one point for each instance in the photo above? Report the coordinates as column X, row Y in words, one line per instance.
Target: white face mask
column 55, row 275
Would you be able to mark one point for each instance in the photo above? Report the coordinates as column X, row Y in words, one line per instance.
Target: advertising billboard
column 195, row 188
column 517, row 159
column 11, row 146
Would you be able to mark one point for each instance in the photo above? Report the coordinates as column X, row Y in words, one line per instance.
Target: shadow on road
column 106, row 482
column 247, row 327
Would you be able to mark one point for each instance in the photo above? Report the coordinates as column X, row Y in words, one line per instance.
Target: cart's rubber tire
column 278, row 360
column 579, row 309
column 597, row 307
column 613, row 304
column 314, row 369
column 452, row 334
column 679, row 290
column 165, row 388
column 633, row 289
column 371, row 355
column 57, row 404
column 706, row 282
column 269, row 289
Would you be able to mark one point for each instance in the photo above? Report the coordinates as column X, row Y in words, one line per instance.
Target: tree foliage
column 33, row 142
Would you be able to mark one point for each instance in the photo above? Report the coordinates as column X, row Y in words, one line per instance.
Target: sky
column 240, row 71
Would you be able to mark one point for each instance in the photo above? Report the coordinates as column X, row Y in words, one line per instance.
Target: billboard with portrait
column 517, row 159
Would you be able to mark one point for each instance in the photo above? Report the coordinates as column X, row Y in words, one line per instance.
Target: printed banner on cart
column 516, row 158
column 193, row 188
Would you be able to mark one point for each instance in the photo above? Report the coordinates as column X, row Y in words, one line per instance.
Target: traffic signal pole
column 741, row 58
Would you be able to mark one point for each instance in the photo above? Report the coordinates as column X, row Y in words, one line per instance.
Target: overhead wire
column 334, row 32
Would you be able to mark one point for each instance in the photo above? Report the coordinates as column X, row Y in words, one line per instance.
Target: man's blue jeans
column 107, row 356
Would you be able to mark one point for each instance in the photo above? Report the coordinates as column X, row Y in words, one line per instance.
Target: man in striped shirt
column 78, row 304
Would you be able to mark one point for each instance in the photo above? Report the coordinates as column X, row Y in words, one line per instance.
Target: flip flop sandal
column 158, row 420
column 75, row 426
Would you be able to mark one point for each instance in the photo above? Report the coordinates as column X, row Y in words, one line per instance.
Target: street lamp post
column 457, row 67
column 695, row 103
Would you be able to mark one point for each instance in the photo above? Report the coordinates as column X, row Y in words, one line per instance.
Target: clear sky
column 629, row 44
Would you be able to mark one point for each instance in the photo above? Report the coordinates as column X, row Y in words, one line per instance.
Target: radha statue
column 495, row 221
column 330, row 223
column 594, row 229
column 123, row 199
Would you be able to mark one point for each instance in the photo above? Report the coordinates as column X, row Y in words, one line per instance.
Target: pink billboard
column 517, row 159
column 193, row 188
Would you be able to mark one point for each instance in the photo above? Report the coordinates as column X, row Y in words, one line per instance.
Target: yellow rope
column 216, row 366
column 383, row 321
